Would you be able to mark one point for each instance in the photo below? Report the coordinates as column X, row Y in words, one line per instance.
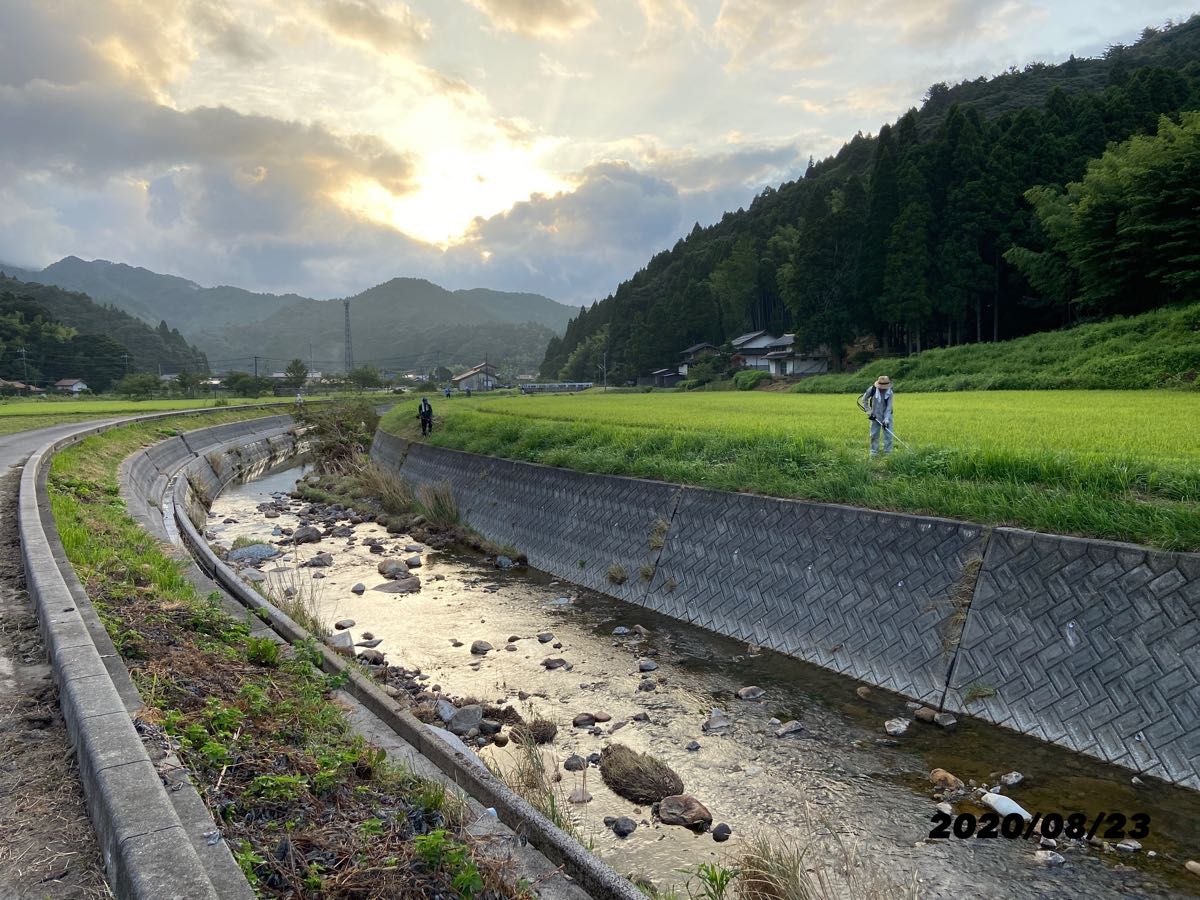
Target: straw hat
column 883, row 382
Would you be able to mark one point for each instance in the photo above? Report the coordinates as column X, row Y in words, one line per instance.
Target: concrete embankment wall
column 1089, row 644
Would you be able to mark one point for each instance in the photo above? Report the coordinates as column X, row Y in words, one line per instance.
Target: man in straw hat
column 877, row 401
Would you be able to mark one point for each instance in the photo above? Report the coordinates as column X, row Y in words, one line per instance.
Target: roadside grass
column 309, row 808
column 1110, row 464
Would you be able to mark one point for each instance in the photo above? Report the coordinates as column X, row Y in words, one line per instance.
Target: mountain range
column 403, row 323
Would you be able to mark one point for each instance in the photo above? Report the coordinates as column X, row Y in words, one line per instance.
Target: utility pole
column 125, row 359
column 349, row 344
column 25, row 363
column 312, row 364
column 606, row 370
column 256, row 367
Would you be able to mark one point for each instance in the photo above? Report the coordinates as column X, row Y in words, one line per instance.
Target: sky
column 552, row 146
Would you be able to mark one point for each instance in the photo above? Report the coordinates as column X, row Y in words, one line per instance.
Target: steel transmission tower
column 349, row 345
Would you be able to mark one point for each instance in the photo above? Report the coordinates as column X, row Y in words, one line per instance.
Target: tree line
column 999, row 208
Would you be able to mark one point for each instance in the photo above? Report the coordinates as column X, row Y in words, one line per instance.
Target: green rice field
column 1123, row 465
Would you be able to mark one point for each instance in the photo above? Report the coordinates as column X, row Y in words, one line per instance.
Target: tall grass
column 1159, row 349
column 1104, row 464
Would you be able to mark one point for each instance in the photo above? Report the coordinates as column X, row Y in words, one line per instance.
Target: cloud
column 538, row 18
column 225, row 34
column 366, row 22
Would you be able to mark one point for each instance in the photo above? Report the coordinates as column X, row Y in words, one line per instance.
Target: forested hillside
column 86, row 341
column 153, row 297
column 402, row 323
column 974, row 218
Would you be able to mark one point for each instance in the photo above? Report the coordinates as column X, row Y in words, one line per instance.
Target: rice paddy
column 1122, row 465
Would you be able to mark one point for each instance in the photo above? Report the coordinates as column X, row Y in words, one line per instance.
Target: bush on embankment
column 1159, row 349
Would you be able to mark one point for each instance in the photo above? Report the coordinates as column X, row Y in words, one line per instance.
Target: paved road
column 47, row 848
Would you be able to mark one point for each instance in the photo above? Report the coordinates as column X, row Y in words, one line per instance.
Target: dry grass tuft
column 638, row 776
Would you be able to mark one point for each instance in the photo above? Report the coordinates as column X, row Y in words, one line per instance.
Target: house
column 666, row 377
column 693, row 355
column 71, row 386
column 750, row 349
column 482, row 377
column 785, row 360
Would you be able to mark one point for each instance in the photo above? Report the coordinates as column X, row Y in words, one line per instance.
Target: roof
column 664, row 372
column 695, row 348
column 779, row 354
column 482, row 369
column 787, row 340
column 749, row 336
column 67, row 382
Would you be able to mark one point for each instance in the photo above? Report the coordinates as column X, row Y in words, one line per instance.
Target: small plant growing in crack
column 617, row 573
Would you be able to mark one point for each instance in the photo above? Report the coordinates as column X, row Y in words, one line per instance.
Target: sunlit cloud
column 538, row 18
column 543, row 145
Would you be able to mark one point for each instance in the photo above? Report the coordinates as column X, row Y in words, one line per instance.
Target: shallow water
column 841, row 784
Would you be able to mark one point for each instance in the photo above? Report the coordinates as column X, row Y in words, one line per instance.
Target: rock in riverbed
column 945, row 781
column 751, row 692
column 306, row 534
column 480, row 648
column 623, row 826
column 343, row 624
column 685, row 810
column 392, row 568
column 790, row 729
column 721, row 833
column 717, row 722
column 255, row 553
column 647, row 665
column 575, row 763
column 359, row 588
column 545, row 637
column 897, row 726
column 409, row 585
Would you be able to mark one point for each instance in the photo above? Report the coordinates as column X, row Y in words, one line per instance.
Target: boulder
column 620, row 631
column 897, row 726
column 602, row 717
column 320, row 561
column 545, row 637
column 306, row 534
column 413, row 562
column 503, row 562
column 480, row 648
column 623, row 826
column 370, row 643
column 580, row 795
column 945, row 781
column 584, row 720
column 1048, row 858
column 788, row 729
column 341, row 642
column 693, row 746
column 359, row 588
column 717, row 722
column 647, row 665
column 392, row 568
column 721, row 833
column 445, row 710
column 684, row 810
column 639, row 629
column 409, row 585
column 575, row 763
column 343, row 624
column 254, row 553
column 945, row 720
column 924, row 714
column 555, row 662
column 489, row 726
column 465, row 719
column 1012, row 779
column 371, row 657
column 751, row 692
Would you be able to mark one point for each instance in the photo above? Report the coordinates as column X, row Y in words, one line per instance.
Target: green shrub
column 750, row 379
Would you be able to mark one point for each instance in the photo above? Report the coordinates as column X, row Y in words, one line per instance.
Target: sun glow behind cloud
column 456, row 185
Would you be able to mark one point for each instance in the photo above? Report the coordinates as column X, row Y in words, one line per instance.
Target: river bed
column 843, row 786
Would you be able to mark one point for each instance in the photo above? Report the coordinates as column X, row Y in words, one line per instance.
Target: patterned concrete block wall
column 1089, row 644
column 590, row 529
column 877, row 596
column 869, row 594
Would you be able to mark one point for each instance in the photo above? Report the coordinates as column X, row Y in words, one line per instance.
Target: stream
column 842, row 786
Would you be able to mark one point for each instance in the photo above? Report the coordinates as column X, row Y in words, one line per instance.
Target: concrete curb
column 148, row 851
column 596, row 877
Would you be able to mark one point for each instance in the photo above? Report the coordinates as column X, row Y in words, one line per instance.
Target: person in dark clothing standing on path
column 425, row 414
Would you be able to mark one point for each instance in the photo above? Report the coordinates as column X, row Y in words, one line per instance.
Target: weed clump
column 638, row 776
